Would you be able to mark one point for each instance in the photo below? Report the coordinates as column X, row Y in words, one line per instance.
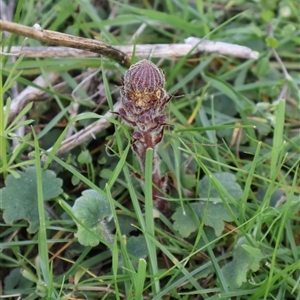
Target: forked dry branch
column 83, row 47
column 62, row 39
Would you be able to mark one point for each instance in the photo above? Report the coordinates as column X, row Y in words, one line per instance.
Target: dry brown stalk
column 86, row 133
column 66, row 40
column 167, row 51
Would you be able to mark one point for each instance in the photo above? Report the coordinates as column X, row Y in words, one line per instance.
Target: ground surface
column 79, row 223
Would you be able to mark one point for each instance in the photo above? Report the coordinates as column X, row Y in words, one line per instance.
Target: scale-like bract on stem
column 143, row 102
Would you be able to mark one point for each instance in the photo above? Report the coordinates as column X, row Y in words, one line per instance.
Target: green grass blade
column 42, row 234
column 149, row 218
column 140, row 279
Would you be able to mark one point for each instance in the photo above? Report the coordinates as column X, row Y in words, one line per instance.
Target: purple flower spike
column 144, row 99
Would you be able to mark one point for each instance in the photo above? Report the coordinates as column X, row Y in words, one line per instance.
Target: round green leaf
column 19, row 196
column 92, row 212
column 228, row 180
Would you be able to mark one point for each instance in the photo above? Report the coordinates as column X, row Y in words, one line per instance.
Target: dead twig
column 62, row 39
column 34, row 94
column 85, row 134
column 167, row 51
column 30, row 93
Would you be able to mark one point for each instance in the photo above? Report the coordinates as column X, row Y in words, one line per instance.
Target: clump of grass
column 229, row 151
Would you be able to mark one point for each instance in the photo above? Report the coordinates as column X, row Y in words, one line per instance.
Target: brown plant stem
column 158, row 181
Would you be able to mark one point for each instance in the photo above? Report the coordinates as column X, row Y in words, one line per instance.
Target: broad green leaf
column 245, row 258
column 75, row 180
column 267, row 15
column 127, row 224
column 272, row 42
column 277, row 198
column 93, row 211
column 228, row 180
column 210, row 236
column 136, row 246
column 15, row 280
column 184, row 222
column 188, row 181
column 18, row 198
column 223, row 104
column 262, row 127
column 263, row 67
column 214, row 215
column 84, row 157
column 288, row 29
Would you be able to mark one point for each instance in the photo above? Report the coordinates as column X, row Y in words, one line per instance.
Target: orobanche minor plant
column 144, row 99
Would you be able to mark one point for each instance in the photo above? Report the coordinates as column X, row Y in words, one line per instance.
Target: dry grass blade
column 30, row 93
column 86, row 133
column 191, row 45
